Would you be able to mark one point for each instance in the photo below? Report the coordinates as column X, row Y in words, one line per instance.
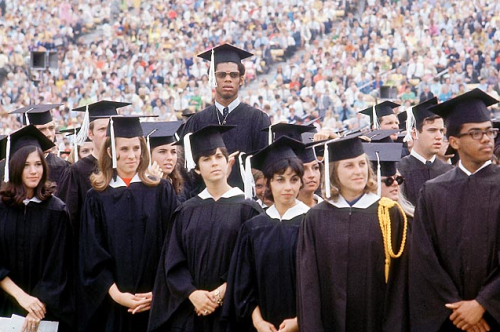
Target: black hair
column 453, row 130
column 197, row 156
column 427, row 120
column 13, row 193
column 280, row 167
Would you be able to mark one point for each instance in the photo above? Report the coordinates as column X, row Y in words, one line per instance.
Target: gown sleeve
column 308, row 282
column 95, row 265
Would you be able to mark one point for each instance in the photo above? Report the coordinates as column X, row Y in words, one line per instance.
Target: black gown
column 73, row 188
column 263, row 269
column 34, row 253
column 417, row 173
column 246, row 137
column 57, row 167
column 341, row 270
column 197, row 256
column 456, row 256
column 121, row 238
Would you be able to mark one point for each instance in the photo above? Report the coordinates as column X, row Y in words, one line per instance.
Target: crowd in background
column 327, row 59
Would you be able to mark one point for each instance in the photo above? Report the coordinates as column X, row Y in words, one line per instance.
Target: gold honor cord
column 384, row 219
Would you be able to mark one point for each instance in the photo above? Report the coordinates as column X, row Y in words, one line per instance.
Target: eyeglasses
column 223, row 74
column 478, row 134
column 389, row 181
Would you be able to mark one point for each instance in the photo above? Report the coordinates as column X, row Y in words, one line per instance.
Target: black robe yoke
column 34, row 253
column 263, row 270
column 246, row 137
column 197, row 256
column 455, row 252
column 341, row 271
column 417, row 173
column 73, row 188
column 121, row 237
column 57, row 167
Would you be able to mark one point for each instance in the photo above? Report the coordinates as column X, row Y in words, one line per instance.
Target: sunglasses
column 389, row 181
column 223, row 74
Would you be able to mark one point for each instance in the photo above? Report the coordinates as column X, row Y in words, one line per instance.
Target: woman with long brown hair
column 35, row 263
column 125, row 220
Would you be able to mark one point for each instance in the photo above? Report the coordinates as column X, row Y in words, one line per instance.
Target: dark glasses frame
column 389, row 181
column 223, row 74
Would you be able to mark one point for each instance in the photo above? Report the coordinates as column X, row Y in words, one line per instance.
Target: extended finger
column 484, row 324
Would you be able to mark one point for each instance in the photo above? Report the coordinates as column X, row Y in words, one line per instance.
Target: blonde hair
column 101, row 180
column 335, row 186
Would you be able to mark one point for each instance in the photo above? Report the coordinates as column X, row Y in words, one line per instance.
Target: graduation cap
column 36, row 114
column 383, row 157
column 470, row 107
column 100, row 109
column 160, row 133
column 340, row 149
column 283, row 148
column 27, row 136
column 377, row 111
column 290, row 130
column 417, row 114
column 381, row 135
column 402, row 116
column 125, row 126
column 222, row 53
column 73, row 132
column 206, row 139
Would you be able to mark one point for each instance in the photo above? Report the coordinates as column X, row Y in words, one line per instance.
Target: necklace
column 218, row 118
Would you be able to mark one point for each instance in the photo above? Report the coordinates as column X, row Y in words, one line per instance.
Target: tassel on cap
column 75, row 147
column 27, row 118
column 113, row 143
column 211, row 73
column 326, row 158
column 270, row 136
column 379, row 176
column 81, row 137
column 410, row 124
column 6, row 177
column 375, row 118
column 246, row 176
column 188, row 153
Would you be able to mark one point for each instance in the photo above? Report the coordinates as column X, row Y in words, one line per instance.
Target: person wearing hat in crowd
column 35, row 264
column 227, row 75
column 126, row 218
column 191, row 281
column 262, row 277
column 78, row 151
column 161, row 138
column 312, row 175
column 426, row 130
column 455, row 262
column 382, row 116
column 76, row 181
column 39, row 115
column 351, row 257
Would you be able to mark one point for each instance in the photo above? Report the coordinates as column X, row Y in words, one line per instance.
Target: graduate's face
column 98, row 133
column 128, row 156
column 86, row 149
column 166, row 157
column 471, row 150
column 227, row 87
column 48, row 129
column 312, row 176
column 353, row 176
column 32, row 173
column 391, row 191
column 213, row 168
column 390, row 122
column 428, row 142
column 285, row 187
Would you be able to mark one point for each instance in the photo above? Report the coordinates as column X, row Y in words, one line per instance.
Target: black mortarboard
column 160, row 133
column 283, row 148
column 402, row 116
column 222, row 53
column 26, row 136
column 36, row 114
column 470, row 107
column 290, row 130
column 381, row 135
column 382, row 109
column 345, row 148
column 128, row 126
column 385, row 153
column 421, row 111
column 101, row 109
column 225, row 53
column 206, row 139
column 74, row 132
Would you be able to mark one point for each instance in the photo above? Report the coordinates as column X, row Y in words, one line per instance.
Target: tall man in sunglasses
column 227, row 75
column 427, row 135
column 455, row 244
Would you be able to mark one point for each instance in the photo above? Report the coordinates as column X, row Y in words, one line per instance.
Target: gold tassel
column 384, row 219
